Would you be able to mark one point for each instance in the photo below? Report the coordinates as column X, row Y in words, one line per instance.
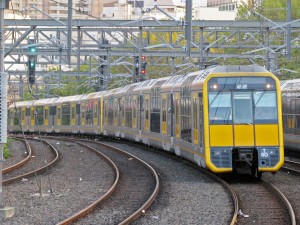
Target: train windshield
column 244, row 100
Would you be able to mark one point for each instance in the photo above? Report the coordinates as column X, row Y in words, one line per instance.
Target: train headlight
column 268, row 86
column 215, row 86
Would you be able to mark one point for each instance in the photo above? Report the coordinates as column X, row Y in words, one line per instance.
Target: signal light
column 143, row 71
column 144, row 58
column 32, row 49
column 31, row 69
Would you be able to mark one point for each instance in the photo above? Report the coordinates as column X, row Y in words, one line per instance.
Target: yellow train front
column 243, row 121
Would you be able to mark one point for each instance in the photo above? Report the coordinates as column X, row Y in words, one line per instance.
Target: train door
column 23, row 116
column 96, row 112
column 201, row 123
column 73, row 113
column 170, row 115
column 52, row 113
column 105, row 110
column 177, row 115
column 78, row 114
column 134, row 111
column 147, row 113
column 32, row 114
column 46, row 116
column 195, row 117
column 116, row 111
column 123, row 111
column 140, row 112
column 119, row 108
column 58, row 115
column 164, row 113
column 83, row 109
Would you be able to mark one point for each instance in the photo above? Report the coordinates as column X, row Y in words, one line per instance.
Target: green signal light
column 33, row 50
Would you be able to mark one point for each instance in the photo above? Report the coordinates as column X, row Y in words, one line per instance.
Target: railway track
column 13, row 174
column 21, row 163
column 131, row 195
column 291, row 166
column 230, row 190
column 261, row 203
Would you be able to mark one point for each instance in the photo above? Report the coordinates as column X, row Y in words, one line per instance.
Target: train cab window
column 65, row 114
column 242, row 108
column 265, row 107
column 220, row 110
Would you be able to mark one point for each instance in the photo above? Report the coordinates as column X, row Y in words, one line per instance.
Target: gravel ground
column 41, row 153
column 289, row 185
column 17, row 150
column 76, row 180
column 186, row 197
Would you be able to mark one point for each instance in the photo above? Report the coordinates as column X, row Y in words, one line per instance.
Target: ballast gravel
column 187, row 196
column 79, row 178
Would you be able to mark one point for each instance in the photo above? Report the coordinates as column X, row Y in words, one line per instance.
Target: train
column 227, row 119
column 291, row 114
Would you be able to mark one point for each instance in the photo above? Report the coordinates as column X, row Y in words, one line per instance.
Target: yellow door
column 46, row 116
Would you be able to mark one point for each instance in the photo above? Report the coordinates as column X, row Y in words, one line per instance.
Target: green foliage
column 271, row 9
column 275, row 10
column 6, row 151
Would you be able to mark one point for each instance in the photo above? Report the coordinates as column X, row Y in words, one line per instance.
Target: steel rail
column 102, row 198
column 284, row 200
column 232, row 192
column 285, row 167
column 41, row 169
column 149, row 201
column 21, row 163
column 155, row 192
column 213, row 176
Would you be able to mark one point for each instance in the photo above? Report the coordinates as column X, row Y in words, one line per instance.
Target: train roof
column 20, row 104
column 45, row 101
column 237, row 69
column 126, row 89
column 290, row 85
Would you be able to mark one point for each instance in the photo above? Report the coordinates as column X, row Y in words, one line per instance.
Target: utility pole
column 69, row 41
column 288, row 28
column 188, row 26
column 5, row 212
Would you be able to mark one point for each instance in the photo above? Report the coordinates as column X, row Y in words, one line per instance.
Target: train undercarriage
column 245, row 160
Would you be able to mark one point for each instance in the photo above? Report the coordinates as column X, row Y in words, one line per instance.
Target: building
column 213, row 13
column 174, row 8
